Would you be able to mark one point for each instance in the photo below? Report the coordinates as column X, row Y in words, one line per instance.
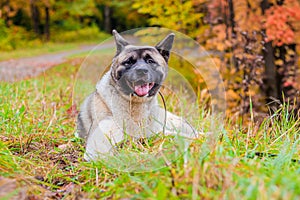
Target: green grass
column 61, row 41
column 39, row 151
column 49, row 47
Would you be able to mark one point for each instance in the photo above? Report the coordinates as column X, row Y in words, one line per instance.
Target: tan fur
column 110, row 111
column 107, row 115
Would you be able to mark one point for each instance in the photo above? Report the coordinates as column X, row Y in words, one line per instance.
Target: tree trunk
column 231, row 18
column 35, row 17
column 271, row 75
column 271, row 81
column 232, row 26
column 107, row 22
column 47, row 23
column 6, row 17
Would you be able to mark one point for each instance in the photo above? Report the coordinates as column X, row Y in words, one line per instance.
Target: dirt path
column 18, row 69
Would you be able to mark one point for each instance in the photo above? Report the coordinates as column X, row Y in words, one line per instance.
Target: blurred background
column 255, row 44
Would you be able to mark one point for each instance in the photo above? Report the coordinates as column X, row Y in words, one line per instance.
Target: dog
column 125, row 101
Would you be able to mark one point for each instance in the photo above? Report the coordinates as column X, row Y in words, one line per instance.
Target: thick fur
column 113, row 111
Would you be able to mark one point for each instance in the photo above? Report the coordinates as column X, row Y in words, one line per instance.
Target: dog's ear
column 120, row 41
column 164, row 47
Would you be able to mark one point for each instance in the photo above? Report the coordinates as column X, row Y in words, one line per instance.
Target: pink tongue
column 142, row 90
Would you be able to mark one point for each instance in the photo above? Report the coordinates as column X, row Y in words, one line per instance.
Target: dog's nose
column 141, row 70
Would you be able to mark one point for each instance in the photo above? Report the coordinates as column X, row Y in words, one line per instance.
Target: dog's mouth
column 143, row 89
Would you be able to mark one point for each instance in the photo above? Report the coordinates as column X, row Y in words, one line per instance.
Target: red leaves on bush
column 279, row 22
column 288, row 84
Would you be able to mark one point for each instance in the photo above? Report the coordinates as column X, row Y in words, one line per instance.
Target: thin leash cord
column 165, row 108
column 165, row 120
column 270, row 155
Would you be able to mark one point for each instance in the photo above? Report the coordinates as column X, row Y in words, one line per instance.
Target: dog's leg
column 102, row 140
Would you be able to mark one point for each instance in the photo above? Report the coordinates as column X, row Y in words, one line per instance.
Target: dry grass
column 41, row 158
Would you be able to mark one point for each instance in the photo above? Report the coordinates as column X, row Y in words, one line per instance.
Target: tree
column 183, row 16
column 47, row 20
column 271, row 74
column 35, row 16
column 240, row 27
column 282, row 24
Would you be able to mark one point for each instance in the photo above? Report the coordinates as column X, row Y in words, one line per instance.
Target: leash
column 270, row 155
column 165, row 108
column 165, row 120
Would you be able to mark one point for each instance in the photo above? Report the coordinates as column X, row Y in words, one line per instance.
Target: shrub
column 85, row 34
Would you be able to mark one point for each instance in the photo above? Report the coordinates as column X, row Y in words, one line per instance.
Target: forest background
column 255, row 43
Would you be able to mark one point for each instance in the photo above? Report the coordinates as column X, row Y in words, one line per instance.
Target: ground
column 42, row 159
column 21, row 68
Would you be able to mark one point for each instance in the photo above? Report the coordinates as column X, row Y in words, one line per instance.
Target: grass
column 49, row 47
column 41, row 154
column 61, row 41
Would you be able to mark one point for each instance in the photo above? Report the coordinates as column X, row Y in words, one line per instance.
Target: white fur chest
column 138, row 119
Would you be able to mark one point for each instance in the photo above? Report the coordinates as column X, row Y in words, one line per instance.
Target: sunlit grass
column 38, row 149
column 52, row 46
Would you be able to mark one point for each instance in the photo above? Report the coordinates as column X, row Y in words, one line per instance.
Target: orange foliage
column 216, row 8
column 279, row 22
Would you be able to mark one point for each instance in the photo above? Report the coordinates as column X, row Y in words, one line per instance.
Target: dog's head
column 140, row 70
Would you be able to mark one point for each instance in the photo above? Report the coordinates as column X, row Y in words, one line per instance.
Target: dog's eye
column 130, row 61
column 149, row 60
